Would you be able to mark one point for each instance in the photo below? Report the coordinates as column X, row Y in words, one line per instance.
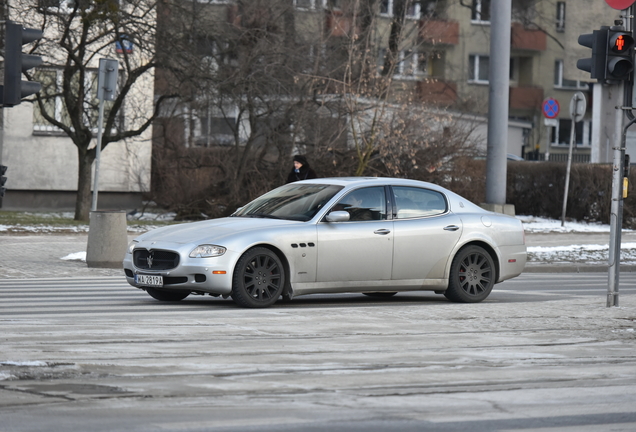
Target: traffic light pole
column 618, row 164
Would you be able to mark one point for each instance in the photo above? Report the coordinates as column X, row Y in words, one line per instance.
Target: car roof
column 370, row 181
column 457, row 202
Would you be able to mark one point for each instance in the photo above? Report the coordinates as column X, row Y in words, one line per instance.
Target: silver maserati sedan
column 376, row 236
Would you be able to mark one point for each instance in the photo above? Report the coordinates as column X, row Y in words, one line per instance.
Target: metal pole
column 567, row 171
column 499, row 79
column 548, row 132
column 97, row 155
column 616, row 215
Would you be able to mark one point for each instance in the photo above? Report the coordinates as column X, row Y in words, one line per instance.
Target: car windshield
column 293, row 201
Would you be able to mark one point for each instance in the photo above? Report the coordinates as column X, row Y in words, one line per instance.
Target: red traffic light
column 621, row 43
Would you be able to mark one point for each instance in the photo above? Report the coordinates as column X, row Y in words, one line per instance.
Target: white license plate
column 148, row 280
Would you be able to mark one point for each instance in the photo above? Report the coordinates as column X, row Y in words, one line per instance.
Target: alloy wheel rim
column 475, row 274
column 262, row 277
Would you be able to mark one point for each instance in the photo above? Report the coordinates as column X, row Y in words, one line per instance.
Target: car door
column 360, row 249
column 425, row 233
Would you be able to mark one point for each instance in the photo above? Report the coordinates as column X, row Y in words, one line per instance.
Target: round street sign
column 577, row 107
column 551, row 107
column 620, row 4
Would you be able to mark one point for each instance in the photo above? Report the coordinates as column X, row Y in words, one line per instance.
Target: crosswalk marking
column 105, row 295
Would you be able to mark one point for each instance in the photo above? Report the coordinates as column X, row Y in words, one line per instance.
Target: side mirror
column 338, row 216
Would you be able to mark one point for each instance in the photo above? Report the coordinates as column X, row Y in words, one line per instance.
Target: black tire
column 259, row 278
column 165, row 295
column 472, row 276
column 380, row 294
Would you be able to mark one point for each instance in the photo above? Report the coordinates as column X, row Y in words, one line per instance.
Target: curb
column 574, row 268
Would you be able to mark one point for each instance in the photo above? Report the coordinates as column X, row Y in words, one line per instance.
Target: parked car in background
column 376, row 236
column 514, row 157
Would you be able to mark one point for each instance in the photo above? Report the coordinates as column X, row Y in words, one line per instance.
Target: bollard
column 107, row 239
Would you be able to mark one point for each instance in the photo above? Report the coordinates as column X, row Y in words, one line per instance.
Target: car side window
column 417, row 202
column 364, row 204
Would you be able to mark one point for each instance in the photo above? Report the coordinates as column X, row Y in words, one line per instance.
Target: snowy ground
column 574, row 253
column 57, row 228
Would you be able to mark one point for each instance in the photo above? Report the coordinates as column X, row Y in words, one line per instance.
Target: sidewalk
column 41, row 255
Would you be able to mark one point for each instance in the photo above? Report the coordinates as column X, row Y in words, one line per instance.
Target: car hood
column 211, row 230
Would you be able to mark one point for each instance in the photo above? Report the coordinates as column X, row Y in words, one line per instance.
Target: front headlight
column 207, row 251
column 132, row 245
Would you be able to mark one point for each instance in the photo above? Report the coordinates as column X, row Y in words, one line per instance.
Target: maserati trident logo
column 150, row 259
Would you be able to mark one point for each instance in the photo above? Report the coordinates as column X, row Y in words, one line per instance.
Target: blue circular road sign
column 551, row 108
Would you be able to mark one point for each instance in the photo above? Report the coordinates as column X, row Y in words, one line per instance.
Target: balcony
column 439, row 32
column 337, row 24
column 437, row 91
column 526, row 98
column 526, row 39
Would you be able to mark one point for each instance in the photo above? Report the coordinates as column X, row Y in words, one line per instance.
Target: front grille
column 155, row 259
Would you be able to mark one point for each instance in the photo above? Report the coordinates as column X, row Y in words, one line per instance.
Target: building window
column 560, row 16
column 51, row 93
column 68, row 6
column 309, row 4
column 332, row 4
column 210, row 126
column 561, row 133
column 387, row 8
column 410, row 64
column 481, row 11
column 513, row 71
column 561, row 82
column 478, row 68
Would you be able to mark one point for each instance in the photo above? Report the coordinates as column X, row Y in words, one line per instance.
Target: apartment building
column 543, row 54
column 442, row 56
column 47, row 143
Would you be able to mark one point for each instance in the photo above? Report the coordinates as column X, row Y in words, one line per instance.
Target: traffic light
column 595, row 65
column 620, row 55
column 15, row 62
column 3, row 179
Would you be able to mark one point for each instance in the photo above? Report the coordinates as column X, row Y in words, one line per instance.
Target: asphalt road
column 94, row 354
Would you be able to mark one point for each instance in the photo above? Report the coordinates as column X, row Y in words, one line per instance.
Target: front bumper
column 201, row 275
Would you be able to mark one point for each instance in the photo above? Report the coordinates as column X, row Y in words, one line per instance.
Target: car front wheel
column 472, row 276
column 259, row 278
column 163, row 295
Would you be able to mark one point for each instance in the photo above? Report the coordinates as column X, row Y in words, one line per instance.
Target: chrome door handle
column 451, row 228
column 382, row 231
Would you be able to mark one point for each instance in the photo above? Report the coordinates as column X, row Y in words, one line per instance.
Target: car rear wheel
column 472, row 276
column 165, row 295
column 380, row 294
column 259, row 278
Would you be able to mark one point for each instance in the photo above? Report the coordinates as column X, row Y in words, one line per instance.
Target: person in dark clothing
column 301, row 170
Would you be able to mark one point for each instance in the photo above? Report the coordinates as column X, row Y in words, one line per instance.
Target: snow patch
column 4, row 376
column 35, row 363
column 77, row 256
column 533, row 224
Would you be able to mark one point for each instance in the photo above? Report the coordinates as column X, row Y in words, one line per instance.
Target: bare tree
column 251, row 78
column 274, row 81
column 76, row 34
